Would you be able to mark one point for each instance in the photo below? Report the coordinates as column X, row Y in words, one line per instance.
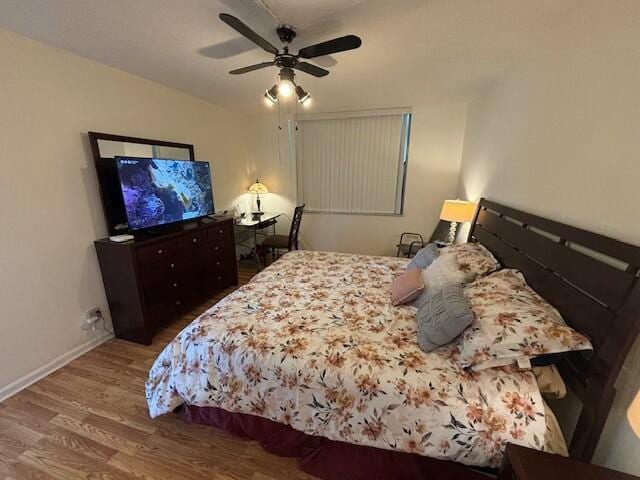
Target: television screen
column 159, row 191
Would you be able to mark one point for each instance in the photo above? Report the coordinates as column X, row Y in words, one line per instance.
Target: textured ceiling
column 411, row 48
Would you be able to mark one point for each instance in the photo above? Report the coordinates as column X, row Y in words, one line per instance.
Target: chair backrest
column 295, row 227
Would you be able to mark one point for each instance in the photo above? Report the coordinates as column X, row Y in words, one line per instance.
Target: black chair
column 410, row 242
column 276, row 243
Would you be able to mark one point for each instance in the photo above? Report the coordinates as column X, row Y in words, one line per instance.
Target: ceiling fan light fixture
column 304, row 98
column 271, row 95
column 286, row 86
column 268, row 101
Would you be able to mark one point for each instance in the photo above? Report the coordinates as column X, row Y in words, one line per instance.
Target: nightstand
column 520, row 463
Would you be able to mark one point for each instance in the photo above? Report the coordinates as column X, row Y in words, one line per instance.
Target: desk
column 247, row 229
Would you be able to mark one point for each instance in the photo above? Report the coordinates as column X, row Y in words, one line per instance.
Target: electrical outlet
column 93, row 316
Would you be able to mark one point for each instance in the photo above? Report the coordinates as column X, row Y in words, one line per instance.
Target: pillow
column 473, row 259
column 443, row 317
column 407, row 286
column 424, row 257
column 512, row 324
column 455, row 265
column 550, row 382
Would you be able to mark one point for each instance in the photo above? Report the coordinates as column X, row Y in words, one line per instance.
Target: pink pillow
column 407, row 287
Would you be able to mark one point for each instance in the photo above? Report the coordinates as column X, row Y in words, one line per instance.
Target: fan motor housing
column 286, row 33
column 286, row 60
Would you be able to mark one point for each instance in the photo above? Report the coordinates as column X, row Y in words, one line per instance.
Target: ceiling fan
column 288, row 62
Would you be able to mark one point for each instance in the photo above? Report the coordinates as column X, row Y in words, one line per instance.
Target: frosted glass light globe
column 285, row 88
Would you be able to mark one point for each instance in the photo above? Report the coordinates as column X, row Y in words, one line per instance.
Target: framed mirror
column 105, row 147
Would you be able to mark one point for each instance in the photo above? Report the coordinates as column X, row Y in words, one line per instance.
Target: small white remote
column 121, row 238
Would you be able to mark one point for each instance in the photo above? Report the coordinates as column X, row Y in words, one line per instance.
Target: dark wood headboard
column 592, row 280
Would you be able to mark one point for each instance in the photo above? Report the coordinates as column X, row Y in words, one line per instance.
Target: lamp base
column 452, row 233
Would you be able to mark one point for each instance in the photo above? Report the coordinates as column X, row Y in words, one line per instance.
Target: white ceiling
column 411, row 48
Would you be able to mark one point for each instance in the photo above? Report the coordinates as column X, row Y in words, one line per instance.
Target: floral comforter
column 314, row 342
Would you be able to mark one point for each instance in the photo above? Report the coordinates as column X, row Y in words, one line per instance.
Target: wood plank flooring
column 89, row 420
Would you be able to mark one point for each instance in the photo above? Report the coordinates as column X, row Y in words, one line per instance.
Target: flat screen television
column 162, row 191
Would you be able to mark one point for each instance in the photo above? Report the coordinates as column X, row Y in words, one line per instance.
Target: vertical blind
column 353, row 165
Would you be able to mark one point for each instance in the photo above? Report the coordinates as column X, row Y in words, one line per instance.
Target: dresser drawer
column 182, row 302
column 218, row 248
column 169, row 306
column 157, row 251
column 168, row 268
column 169, row 288
column 219, row 233
column 219, row 272
column 191, row 241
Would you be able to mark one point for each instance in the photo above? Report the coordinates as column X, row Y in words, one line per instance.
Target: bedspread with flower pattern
column 314, row 342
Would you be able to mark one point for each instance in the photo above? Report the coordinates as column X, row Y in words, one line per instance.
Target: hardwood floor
column 89, row 420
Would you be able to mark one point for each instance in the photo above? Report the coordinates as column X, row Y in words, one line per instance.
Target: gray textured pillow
column 443, row 317
column 424, row 257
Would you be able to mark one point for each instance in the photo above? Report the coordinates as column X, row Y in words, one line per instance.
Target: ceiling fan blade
column 251, row 68
column 311, row 69
column 336, row 45
column 326, row 61
column 229, row 48
column 241, row 28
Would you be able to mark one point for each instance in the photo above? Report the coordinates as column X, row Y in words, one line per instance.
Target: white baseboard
column 52, row 366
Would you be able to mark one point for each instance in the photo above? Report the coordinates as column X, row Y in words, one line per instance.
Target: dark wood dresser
column 151, row 281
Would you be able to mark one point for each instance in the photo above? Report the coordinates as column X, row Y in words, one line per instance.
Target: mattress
column 314, row 342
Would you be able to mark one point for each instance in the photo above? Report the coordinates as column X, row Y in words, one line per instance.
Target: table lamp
column 633, row 415
column 455, row 211
column 258, row 188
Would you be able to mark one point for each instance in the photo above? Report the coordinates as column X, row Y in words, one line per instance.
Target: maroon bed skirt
column 328, row 459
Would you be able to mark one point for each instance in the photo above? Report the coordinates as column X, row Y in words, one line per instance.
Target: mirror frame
column 104, row 166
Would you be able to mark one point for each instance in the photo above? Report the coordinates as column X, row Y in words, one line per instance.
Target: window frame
column 403, row 157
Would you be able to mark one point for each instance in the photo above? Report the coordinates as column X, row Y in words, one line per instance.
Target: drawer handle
column 216, row 248
column 160, row 251
column 178, row 302
column 194, row 240
column 173, row 265
column 220, row 231
column 217, row 264
column 175, row 285
column 219, row 277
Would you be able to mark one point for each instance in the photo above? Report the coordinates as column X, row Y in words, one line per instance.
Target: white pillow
column 442, row 272
column 456, row 265
column 513, row 324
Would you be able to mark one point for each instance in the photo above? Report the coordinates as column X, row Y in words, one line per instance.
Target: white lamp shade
column 457, row 211
column 633, row 415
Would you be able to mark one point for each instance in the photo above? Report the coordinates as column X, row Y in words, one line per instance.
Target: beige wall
column 559, row 136
column 435, row 150
column 49, row 205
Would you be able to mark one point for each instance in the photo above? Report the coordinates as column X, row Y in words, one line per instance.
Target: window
column 353, row 162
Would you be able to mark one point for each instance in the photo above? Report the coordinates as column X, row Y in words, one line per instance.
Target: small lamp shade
column 258, row 188
column 457, row 211
column 633, row 415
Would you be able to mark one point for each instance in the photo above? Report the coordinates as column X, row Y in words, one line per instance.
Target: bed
column 310, row 357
